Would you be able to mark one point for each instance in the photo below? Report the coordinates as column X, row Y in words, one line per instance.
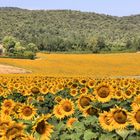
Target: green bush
column 29, row 54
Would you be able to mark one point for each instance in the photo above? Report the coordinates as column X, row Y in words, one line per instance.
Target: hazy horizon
column 108, row 7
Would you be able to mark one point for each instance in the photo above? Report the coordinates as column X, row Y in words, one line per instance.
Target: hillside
column 60, row 27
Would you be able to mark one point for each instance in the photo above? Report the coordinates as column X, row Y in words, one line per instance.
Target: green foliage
column 66, row 30
column 9, row 43
column 29, row 54
column 15, row 49
column 32, row 47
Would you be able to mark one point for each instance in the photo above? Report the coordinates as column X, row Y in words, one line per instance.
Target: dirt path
column 5, row 69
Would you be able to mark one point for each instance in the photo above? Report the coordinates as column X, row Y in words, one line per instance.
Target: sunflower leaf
column 123, row 133
column 60, row 126
column 88, row 135
column 108, row 136
column 79, row 126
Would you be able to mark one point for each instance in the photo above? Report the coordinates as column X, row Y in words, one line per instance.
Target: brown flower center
column 120, row 116
column 19, row 137
column 58, row 99
column 85, row 101
column 118, row 93
column 137, row 116
column 8, row 104
column 67, row 107
column 128, row 92
column 103, row 91
column 74, row 85
column 92, row 111
column 4, row 125
column 41, row 127
column 13, row 131
column 73, row 92
column 27, row 111
column 35, row 90
column 83, row 90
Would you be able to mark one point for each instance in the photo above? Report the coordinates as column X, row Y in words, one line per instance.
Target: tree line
column 67, row 30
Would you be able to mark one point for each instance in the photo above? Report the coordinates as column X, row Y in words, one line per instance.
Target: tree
column 32, row 47
column 92, row 44
column 101, row 43
column 129, row 44
column 9, row 43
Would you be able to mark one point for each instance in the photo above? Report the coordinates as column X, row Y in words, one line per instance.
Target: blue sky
column 111, row 7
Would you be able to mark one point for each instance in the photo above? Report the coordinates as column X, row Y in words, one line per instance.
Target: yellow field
column 91, row 65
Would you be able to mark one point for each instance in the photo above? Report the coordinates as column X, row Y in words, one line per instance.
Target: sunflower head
column 134, row 117
column 90, row 111
column 40, row 98
column 43, row 128
column 67, row 107
column 73, row 92
column 58, row 99
column 35, row 90
column 13, row 129
column 84, row 101
column 105, row 121
column 120, row 118
column 57, row 111
column 118, row 94
column 84, row 90
column 70, row 122
column 103, row 92
column 8, row 103
column 27, row 112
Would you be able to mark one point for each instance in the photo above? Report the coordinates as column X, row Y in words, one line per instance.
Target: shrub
column 29, row 54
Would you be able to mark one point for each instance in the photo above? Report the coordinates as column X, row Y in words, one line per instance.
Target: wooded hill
column 64, row 30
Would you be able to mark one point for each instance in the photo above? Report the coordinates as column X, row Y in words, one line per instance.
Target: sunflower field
column 37, row 107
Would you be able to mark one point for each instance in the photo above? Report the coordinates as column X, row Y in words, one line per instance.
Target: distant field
column 91, row 65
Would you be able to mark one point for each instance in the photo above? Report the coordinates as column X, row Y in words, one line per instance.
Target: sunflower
column 67, row 107
column 134, row 117
column 43, row 128
column 12, row 130
column 74, row 86
column 30, row 99
column 6, row 112
column 73, row 92
column 120, row 118
column 128, row 94
column 70, row 122
column 16, row 109
column 83, row 81
column 27, row 112
column 60, row 86
column 44, row 89
column 84, row 101
column 84, row 90
column 103, row 92
column 105, row 121
column 90, row 111
column 2, row 91
column 40, row 98
column 5, row 122
column 58, row 99
column 126, row 82
column 21, row 136
column 91, row 83
column 8, row 103
column 118, row 94
column 53, row 90
column 58, row 112
column 135, row 102
column 35, row 90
